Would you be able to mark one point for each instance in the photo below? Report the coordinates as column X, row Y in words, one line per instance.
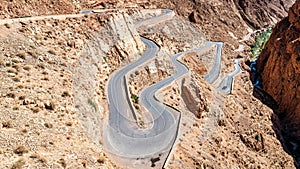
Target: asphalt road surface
column 214, row 73
column 227, row 83
column 123, row 135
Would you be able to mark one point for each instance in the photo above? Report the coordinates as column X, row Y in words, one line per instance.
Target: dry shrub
column 18, row 164
column 20, row 150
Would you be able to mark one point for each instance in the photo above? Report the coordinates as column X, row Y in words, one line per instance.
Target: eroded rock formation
column 279, row 67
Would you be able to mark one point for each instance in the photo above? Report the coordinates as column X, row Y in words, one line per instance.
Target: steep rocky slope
column 236, row 131
column 53, row 74
column 279, row 67
column 229, row 19
column 258, row 13
column 25, row 8
column 232, row 131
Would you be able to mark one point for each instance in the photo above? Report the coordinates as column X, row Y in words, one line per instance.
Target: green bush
column 105, row 59
column 93, row 104
column 135, row 98
column 260, row 41
column 206, row 108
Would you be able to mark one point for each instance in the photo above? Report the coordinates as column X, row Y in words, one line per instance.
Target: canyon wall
column 279, row 67
column 258, row 13
column 228, row 19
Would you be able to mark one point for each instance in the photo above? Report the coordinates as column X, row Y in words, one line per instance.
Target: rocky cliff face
column 106, row 50
column 279, row 66
column 258, row 13
column 228, row 19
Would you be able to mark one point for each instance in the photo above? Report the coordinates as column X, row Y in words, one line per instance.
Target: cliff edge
column 279, row 67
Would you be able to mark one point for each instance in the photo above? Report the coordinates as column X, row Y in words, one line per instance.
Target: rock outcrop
column 105, row 52
column 279, row 67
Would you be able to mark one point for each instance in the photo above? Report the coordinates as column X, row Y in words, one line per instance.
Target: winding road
column 122, row 136
column 214, row 73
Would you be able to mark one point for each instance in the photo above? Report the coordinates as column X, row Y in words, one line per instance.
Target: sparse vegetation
column 11, row 70
column 7, row 124
column 51, row 51
column 141, row 123
column 18, row 164
column 20, row 150
column 42, row 159
column 137, row 107
column 62, row 162
column 48, row 125
column 105, row 59
column 101, row 87
column 92, row 103
column 35, row 109
column 16, row 79
column 38, row 37
column 22, row 30
column 66, row 94
column 50, row 105
column 32, row 53
column 135, row 98
column 27, row 67
column 23, row 65
column 206, row 108
column 101, row 159
column 16, row 107
column 7, row 25
column 17, row 66
column 15, row 60
column 22, row 55
column 7, row 64
column 260, row 41
column 38, row 157
column 69, row 123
